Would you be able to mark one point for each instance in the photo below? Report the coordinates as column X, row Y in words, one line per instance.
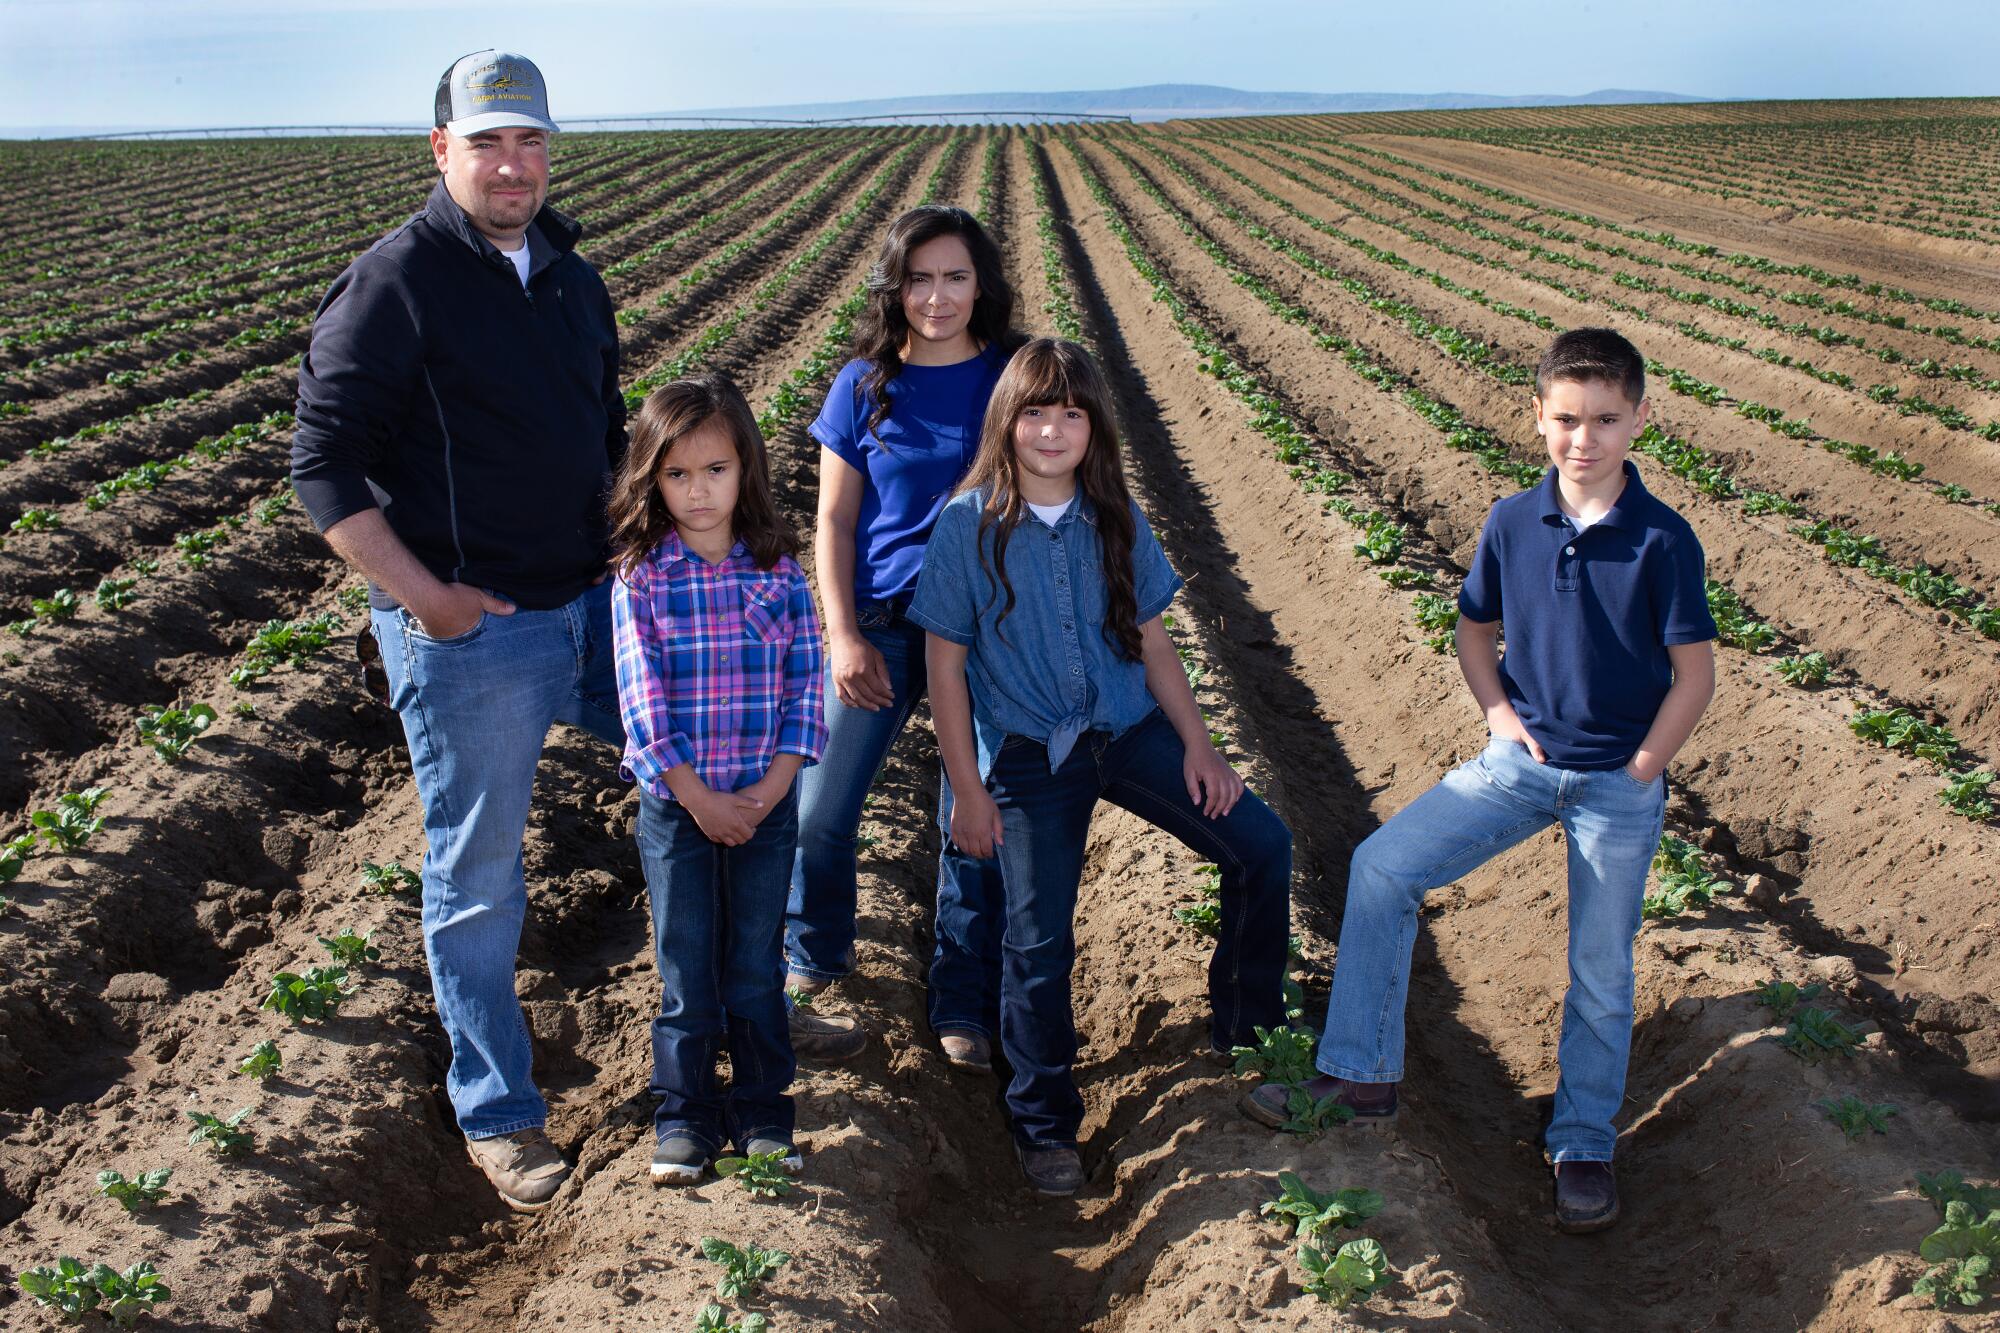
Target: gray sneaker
column 965, row 1048
column 825, row 1039
column 1053, row 1173
column 523, row 1167
column 679, row 1160
column 791, row 1163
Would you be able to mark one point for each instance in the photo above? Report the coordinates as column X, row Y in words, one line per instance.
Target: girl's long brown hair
column 1052, row 371
column 639, row 517
column 883, row 328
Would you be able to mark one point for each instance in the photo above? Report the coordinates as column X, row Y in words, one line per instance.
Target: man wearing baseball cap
column 459, row 418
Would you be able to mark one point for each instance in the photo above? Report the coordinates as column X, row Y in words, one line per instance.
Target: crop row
column 1382, row 539
column 1706, row 470
column 1923, row 367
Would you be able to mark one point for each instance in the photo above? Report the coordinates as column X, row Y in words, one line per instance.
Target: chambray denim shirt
column 1047, row 671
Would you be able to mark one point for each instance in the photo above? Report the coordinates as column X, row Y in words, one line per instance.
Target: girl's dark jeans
column 1045, row 817
column 718, row 934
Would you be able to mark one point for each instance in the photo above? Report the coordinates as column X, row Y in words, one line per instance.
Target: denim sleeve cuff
column 938, row 628
column 1158, row 605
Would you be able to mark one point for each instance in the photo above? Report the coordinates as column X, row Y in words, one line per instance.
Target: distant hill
column 1158, row 101
column 1163, row 101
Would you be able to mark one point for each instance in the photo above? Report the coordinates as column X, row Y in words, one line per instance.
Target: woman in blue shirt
column 898, row 431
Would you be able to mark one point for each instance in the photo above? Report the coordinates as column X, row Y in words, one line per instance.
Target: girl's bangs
column 1053, row 378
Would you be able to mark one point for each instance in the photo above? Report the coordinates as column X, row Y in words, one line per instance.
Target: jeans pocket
column 873, row 615
column 415, row 631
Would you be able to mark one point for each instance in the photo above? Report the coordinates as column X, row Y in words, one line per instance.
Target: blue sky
column 239, row 62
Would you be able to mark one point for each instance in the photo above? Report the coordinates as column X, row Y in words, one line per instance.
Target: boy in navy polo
column 1608, row 667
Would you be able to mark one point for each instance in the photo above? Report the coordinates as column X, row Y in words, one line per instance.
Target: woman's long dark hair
column 1052, row 371
column 882, row 329
column 639, row 517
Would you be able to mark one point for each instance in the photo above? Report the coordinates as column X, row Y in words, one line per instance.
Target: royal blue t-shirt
column 911, row 462
column 1588, row 616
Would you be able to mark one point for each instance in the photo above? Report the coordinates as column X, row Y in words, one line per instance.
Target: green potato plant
column 1968, row 792
column 1857, row 1117
column 73, row 1289
column 1961, row 1255
column 1312, row 1212
column 263, row 1061
column 714, row 1319
column 1354, row 1272
column 58, row 606
column 139, row 1193
column 390, row 877
column 1805, row 670
column 1309, row 1117
column 226, row 1138
column 173, row 729
column 1204, row 917
column 73, row 822
column 14, row 854
column 758, row 1173
column 1949, row 1187
column 744, row 1268
column 1815, row 1034
column 1782, row 997
column 311, row 998
column 351, row 950
column 1685, row 881
column 1282, row 1055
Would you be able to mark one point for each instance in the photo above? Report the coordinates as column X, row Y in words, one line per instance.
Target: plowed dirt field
column 1317, row 328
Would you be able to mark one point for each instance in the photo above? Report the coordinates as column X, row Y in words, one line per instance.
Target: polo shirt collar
column 1624, row 511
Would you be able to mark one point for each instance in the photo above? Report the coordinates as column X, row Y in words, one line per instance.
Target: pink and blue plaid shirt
column 718, row 666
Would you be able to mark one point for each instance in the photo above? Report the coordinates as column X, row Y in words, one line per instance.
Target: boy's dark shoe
column 1586, row 1196
column 1053, row 1173
column 679, row 1160
column 967, row 1049
column 1373, row 1104
column 524, row 1168
column 825, row 1039
column 790, row 1162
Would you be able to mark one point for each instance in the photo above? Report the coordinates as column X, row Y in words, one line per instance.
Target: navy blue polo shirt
column 1588, row 616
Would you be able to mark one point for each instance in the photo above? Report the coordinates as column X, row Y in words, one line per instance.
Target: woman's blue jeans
column 820, row 918
column 1611, row 825
column 718, row 935
column 476, row 709
column 1045, row 818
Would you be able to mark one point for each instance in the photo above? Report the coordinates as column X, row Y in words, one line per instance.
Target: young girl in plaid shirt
column 720, row 684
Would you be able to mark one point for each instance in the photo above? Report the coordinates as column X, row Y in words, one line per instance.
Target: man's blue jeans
column 476, row 709
column 1045, row 818
column 1611, row 825
column 718, row 934
column 819, row 929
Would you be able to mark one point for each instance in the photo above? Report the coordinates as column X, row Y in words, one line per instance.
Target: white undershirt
column 1049, row 513
column 520, row 258
column 1579, row 522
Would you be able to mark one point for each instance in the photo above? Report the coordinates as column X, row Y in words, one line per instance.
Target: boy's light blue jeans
column 1611, row 824
column 476, row 709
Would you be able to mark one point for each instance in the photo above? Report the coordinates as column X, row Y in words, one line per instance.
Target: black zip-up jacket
column 483, row 420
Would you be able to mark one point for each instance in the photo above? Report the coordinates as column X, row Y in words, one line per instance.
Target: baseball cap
column 492, row 90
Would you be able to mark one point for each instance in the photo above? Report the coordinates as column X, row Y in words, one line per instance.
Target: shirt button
column 1569, row 550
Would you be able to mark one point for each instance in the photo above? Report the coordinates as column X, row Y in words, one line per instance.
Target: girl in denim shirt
column 1053, row 683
